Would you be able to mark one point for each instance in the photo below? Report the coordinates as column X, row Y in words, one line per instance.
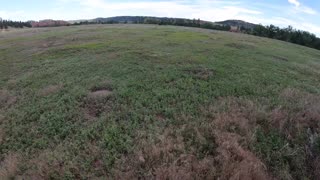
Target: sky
column 301, row 14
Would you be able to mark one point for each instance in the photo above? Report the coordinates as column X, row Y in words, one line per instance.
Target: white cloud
column 294, row 2
column 10, row 14
column 211, row 10
column 205, row 9
column 302, row 8
column 305, row 9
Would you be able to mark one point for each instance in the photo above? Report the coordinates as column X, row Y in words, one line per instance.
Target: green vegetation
column 145, row 101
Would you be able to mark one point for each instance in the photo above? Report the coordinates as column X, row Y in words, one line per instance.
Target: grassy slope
column 183, row 102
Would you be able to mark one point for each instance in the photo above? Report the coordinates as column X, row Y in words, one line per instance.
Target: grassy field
column 156, row 102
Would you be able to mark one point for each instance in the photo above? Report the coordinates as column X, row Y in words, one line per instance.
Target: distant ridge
column 139, row 19
column 238, row 23
column 142, row 19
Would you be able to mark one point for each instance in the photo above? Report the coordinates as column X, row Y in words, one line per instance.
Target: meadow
column 156, row 102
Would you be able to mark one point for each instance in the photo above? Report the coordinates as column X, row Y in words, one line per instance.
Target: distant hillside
column 121, row 19
column 238, row 23
column 165, row 20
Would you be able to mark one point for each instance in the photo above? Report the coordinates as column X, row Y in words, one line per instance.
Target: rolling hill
column 156, row 102
column 136, row 19
column 237, row 23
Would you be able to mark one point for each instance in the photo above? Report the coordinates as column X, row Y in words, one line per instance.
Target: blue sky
column 302, row 14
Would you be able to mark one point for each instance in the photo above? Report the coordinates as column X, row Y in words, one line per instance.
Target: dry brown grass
column 52, row 163
column 9, row 166
column 51, row 89
column 236, row 125
column 301, row 112
column 44, row 164
column 234, row 130
column 169, row 158
column 240, row 117
column 237, row 162
column 166, row 159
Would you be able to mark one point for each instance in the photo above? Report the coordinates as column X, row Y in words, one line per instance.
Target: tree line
column 5, row 24
column 288, row 34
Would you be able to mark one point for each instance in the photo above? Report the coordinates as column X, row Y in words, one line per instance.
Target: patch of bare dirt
column 12, row 82
column 160, row 117
column 6, row 99
column 201, row 72
column 100, row 94
column 9, row 166
column 113, row 55
column 98, row 101
column 51, row 89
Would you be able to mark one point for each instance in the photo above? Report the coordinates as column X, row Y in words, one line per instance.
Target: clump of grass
column 282, row 157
